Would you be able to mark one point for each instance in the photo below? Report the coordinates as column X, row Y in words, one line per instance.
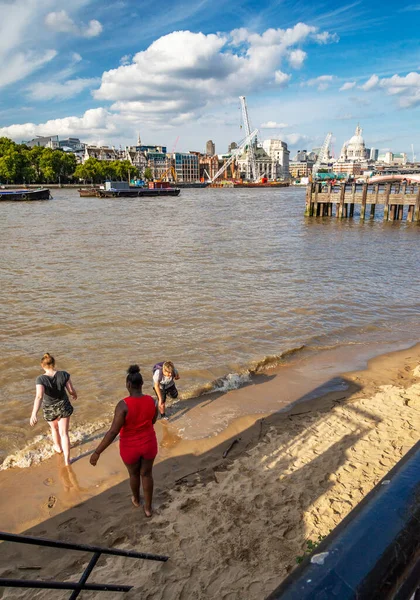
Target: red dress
column 137, row 436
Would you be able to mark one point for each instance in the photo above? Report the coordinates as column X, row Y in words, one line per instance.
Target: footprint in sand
column 48, row 481
column 51, row 501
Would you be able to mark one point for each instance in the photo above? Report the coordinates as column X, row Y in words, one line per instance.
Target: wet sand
column 233, row 526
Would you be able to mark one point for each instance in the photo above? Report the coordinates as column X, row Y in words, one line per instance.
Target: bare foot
column 148, row 512
column 57, row 449
column 135, row 502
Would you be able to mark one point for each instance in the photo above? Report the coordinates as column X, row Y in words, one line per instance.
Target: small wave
column 233, row 381
column 274, row 360
column 40, row 448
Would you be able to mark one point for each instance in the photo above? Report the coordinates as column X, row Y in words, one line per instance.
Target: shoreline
column 235, row 523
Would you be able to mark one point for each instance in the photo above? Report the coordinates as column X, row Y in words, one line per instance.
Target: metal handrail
column 82, row 584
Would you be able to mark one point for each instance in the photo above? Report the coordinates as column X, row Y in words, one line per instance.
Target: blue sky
column 105, row 71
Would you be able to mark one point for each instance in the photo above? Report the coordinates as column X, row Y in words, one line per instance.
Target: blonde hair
column 168, row 366
column 48, row 361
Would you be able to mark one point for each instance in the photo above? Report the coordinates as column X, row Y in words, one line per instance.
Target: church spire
column 139, row 140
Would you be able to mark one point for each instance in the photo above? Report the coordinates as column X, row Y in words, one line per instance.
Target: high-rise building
column 232, row 146
column 210, row 148
column 374, row 153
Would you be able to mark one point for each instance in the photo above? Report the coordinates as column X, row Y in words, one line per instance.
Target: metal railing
column 82, row 584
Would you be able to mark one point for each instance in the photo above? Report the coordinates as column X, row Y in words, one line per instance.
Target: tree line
column 21, row 164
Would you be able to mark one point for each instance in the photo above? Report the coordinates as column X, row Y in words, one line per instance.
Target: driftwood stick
column 188, row 474
column 226, row 452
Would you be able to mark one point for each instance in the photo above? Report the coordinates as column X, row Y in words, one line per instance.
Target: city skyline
column 107, row 71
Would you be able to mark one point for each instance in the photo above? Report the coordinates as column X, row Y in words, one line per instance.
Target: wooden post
column 392, row 212
column 341, row 205
column 353, row 195
column 308, row 206
column 363, row 206
column 417, row 207
column 373, row 205
column 315, row 200
column 329, row 205
column 387, row 192
column 400, row 212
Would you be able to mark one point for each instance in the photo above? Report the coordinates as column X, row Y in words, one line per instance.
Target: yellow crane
column 170, row 170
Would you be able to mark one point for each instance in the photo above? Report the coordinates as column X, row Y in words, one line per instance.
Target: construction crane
column 322, row 156
column 172, row 171
column 235, row 154
column 252, row 162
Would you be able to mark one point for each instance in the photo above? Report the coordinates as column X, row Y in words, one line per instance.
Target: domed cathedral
column 354, row 149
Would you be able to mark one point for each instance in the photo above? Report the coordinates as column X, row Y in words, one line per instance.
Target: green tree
column 35, row 155
column 68, row 165
column 90, row 171
column 148, row 173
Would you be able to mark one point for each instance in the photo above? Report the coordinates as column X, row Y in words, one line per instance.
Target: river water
column 221, row 281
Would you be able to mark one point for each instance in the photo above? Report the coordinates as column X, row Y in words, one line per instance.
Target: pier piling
column 342, row 201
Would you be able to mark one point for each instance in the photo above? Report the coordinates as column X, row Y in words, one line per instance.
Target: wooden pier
column 339, row 201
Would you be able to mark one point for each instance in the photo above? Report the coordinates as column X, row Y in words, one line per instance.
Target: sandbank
column 232, row 526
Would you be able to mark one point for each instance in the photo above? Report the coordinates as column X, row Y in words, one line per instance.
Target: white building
column 266, row 167
column 355, row 149
column 278, row 152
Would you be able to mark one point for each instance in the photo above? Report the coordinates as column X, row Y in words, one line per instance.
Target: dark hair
column 134, row 376
column 48, row 361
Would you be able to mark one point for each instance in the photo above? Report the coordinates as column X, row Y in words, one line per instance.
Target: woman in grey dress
column 51, row 392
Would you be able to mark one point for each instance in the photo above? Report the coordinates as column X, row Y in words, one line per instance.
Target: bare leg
column 63, row 427
column 147, row 482
column 134, row 472
column 55, row 435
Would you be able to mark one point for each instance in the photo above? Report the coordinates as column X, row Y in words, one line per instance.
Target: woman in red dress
column 134, row 419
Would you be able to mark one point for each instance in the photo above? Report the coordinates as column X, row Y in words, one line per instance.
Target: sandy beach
column 232, row 526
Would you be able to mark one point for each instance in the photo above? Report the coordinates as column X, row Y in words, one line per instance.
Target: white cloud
column 327, row 38
column 21, row 64
column 370, row 84
column 76, row 57
column 297, row 58
column 273, row 125
column 408, row 87
column 58, row 90
column 26, row 44
column 295, row 138
column 126, row 59
column 281, row 78
column 61, row 22
column 349, row 85
column 95, row 122
column 217, row 67
column 322, row 82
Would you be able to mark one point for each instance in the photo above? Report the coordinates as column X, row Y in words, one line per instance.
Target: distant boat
column 121, row 189
column 13, row 195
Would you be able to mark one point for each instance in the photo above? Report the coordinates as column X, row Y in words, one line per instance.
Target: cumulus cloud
column 60, row 91
column 322, row 82
column 61, row 22
column 126, row 59
column 166, row 85
column 349, row 85
column 370, row 84
column 281, row 78
column 297, row 58
column 94, row 122
column 407, row 87
column 273, row 125
column 292, row 139
column 216, row 67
